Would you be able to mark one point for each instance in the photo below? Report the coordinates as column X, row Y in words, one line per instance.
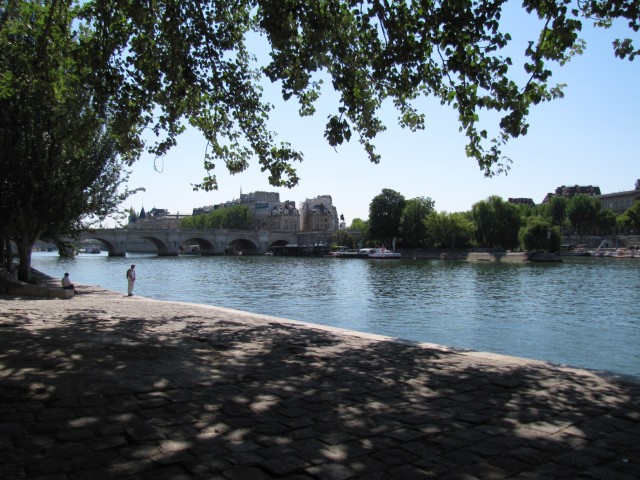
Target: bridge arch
column 205, row 247
column 241, row 246
column 279, row 243
column 114, row 248
column 162, row 247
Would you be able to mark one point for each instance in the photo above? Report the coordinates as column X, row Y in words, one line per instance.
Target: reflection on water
column 580, row 312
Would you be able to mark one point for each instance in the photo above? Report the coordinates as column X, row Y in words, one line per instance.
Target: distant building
column 619, row 202
column 319, row 214
column 284, row 217
column 570, row 192
column 202, row 210
column 157, row 213
column 522, row 201
column 155, row 218
column 267, row 211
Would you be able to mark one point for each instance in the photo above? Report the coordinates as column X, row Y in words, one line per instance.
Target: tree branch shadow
column 134, row 397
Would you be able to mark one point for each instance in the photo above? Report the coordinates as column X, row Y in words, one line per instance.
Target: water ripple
column 579, row 312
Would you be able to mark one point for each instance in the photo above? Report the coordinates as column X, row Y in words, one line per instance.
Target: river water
column 581, row 312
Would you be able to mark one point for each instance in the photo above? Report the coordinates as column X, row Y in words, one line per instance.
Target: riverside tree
column 540, row 235
column 59, row 165
column 497, row 223
column 412, row 228
column 235, row 217
column 631, row 217
column 557, row 209
column 448, row 230
column 385, row 214
column 582, row 212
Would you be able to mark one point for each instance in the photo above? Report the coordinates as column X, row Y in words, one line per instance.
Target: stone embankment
column 481, row 256
column 105, row 386
column 43, row 286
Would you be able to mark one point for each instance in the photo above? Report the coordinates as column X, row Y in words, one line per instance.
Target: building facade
column 522, row 201
column 155, row 218
column 319, row 214
column 621, row 201
column 269, row 213
column 570, row 192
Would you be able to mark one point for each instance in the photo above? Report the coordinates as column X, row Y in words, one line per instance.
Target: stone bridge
column 173, row 241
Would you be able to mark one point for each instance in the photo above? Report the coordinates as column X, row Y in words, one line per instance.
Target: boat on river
column 345, row 252
column 382, row 253
column 624, row 253
column 379, row 252
column 91, row 250
column 574, row 251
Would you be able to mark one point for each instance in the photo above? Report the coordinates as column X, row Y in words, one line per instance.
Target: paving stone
column 247, row 473
column 394, row 456
column 285, row 465
column 262, row 399
column 12, row 470
column 173, row 472
column 331, row 471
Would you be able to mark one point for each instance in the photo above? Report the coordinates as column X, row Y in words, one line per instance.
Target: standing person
column 131, row 279
column 67, row 285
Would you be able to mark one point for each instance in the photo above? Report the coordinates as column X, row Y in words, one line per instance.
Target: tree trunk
column 8, row 254
column 4, row 255
column 25, row 246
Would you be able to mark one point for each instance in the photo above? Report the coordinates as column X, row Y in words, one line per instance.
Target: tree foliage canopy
column 59, row 165
column 448, row 230
column 540, row 235
column 165, row 63
column 631, row 218
column 115, row 70
column 412, row 228
column 236, row 217
column 497, row 223
column 557, row 209
column 385, row 213
column 582, row 212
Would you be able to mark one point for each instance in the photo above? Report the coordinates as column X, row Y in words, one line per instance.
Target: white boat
column 92, row 250
column 345, row 252
column 383, row 253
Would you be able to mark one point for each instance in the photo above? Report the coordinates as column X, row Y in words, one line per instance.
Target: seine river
column 581, row 312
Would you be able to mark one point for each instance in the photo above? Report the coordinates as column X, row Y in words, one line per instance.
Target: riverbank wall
column 480, row 256
column 43, row 286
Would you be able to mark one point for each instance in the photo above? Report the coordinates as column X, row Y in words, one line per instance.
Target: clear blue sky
column 590, row 137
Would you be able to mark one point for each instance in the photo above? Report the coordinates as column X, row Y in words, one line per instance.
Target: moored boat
column 383, row 253
column 92, row 250
column 345, row 252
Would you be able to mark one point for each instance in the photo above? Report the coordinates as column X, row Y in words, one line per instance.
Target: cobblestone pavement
column 104, row 386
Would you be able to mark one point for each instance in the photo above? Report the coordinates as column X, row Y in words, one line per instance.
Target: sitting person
column 67, row 285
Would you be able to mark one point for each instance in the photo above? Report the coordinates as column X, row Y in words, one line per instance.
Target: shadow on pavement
column 106, row 395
